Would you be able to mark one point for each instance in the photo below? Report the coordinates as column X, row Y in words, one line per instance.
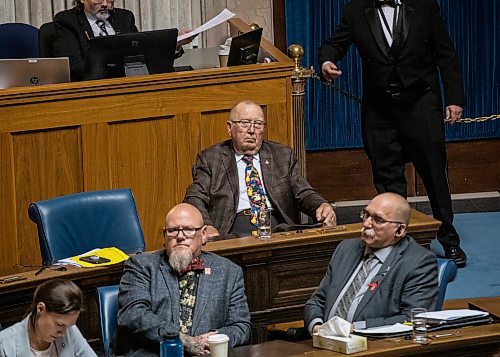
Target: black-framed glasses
column 245, row 123
column 173, row 232
column 364, row 215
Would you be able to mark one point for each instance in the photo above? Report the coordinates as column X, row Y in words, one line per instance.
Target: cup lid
column 220, row 337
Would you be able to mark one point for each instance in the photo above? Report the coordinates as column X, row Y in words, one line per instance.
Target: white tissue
column 336, row 326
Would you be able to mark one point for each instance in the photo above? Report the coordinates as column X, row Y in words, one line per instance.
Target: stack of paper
column 114, row 255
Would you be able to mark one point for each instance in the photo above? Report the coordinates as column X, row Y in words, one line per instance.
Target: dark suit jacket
column 407, row 279
column 215, row 189
column 149, row 300
column 72, row 32
column 424, row 47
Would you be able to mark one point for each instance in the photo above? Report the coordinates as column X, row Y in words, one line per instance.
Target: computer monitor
column 33, row 71
column 129, row 54
column 245, row 48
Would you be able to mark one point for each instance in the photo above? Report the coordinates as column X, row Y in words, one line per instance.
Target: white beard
column 102, row 15
column 179, row 259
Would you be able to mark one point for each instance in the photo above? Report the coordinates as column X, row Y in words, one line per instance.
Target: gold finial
column 296, row 52
column 254, row 26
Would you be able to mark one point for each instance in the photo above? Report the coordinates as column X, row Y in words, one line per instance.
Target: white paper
column 453, row 314
column 388, row 329
column 217, row 20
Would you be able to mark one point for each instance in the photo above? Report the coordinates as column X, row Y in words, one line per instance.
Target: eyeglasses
column 364, row 215
column 245, row 124
column 189, row 232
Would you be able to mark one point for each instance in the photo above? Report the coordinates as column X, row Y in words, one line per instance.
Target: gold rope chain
column 477, row 120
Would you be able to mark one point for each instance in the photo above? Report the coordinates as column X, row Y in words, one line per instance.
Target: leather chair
column 46, row 40
column 18, row 41
column 74, row 224
column 447, row 271
column 107, row 299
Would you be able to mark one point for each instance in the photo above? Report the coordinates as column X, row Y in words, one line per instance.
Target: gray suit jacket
column 149, row 300
column 14, row 342
column 407, row 279
column 215, row 190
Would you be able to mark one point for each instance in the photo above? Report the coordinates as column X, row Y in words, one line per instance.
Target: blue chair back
column 74, row 224
column 107, row 299
column 18, row 41
column 447, row 271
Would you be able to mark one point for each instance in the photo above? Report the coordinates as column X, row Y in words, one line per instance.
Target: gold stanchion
column 299, row 75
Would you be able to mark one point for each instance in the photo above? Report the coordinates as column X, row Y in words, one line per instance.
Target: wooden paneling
column 346, row 174
column 140, row 132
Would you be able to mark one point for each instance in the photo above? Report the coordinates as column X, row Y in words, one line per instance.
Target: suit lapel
column 205, row 289
column 266, row 165
column 385, row 270
column 376, row 27
column 407, row 11
column 229, row 165
column 85, row 26
column 172, row 284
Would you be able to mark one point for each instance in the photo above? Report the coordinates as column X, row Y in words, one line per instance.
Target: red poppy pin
column 374, row 285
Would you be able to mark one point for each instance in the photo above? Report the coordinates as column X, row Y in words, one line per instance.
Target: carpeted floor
column 480, row 239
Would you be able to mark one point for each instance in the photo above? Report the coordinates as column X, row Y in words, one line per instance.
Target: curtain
column 333, row 121
column 149, row 14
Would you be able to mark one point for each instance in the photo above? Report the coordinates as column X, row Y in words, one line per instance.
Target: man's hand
column 330, row 70
column 198, row 345
column 186, row 40
column 326, row 214
column 315, row 328
column 212, row 231
column 453, row 113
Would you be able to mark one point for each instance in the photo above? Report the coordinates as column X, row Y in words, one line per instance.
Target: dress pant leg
column 383, row 147
column 422, row 130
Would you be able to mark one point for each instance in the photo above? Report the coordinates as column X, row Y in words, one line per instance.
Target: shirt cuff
column 359, row 325
column 312, row 323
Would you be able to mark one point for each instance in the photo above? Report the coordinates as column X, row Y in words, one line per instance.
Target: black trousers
column 396, row 132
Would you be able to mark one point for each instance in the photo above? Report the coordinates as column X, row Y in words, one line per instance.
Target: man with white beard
column 377, row 279
column 181, row 289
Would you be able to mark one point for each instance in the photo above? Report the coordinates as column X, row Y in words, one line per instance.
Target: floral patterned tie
column 255, row 190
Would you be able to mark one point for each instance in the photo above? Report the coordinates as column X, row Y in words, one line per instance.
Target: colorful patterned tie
column 255, row 190
column 353, row 289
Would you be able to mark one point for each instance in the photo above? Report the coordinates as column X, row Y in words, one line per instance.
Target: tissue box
column 345, row 345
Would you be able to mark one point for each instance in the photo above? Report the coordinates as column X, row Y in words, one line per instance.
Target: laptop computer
column 33, row 71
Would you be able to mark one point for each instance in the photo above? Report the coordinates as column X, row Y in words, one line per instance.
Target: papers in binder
column 450, row 315
column 112, row 255
column 387, row 330
column 217, row 20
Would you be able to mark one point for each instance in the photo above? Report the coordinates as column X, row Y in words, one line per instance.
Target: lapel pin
column 208, row 271
column 374, row 285
column 267, row 162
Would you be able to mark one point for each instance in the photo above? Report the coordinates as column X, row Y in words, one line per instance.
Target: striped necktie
column 255, row 191
column 353, row 289
column 102, row 26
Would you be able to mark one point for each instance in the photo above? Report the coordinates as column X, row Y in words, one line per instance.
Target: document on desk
column 448, row 315
column 386, row 330
column 217, row 20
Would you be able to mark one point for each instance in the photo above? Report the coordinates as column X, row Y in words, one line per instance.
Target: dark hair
column 78, row 4
column 60, row 296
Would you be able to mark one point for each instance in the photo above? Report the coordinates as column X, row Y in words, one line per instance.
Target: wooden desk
column 280, row 274
column 469, row 341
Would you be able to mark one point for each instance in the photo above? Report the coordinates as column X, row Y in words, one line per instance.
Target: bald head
column 395, row 204
column 186, row 212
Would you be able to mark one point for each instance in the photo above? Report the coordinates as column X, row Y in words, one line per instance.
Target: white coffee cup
column 218, row 345
column 223, row 57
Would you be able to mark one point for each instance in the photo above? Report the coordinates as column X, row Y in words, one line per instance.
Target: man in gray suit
column 181, row 289
column 219, row 190
column 399, row 273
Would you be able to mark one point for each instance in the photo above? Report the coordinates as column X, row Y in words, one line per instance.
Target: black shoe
column 456, row 254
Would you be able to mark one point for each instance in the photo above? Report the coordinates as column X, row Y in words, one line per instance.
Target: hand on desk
column 197, row 345
column 326, row 214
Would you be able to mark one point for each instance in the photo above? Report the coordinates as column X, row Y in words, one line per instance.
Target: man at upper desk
column 377, row 279
column 88, row 19
column 233, row 179
column 181, row 289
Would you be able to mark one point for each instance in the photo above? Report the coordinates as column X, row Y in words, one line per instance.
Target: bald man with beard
column 399, row 273
column 181, row 289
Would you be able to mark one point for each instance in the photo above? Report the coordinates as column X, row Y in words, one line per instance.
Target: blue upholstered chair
column 74, row 224
column 107, row 299
column 18, row 41
column 447, row 271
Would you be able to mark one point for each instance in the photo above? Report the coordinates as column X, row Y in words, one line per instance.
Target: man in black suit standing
column 403, row 44
column 88, row 19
